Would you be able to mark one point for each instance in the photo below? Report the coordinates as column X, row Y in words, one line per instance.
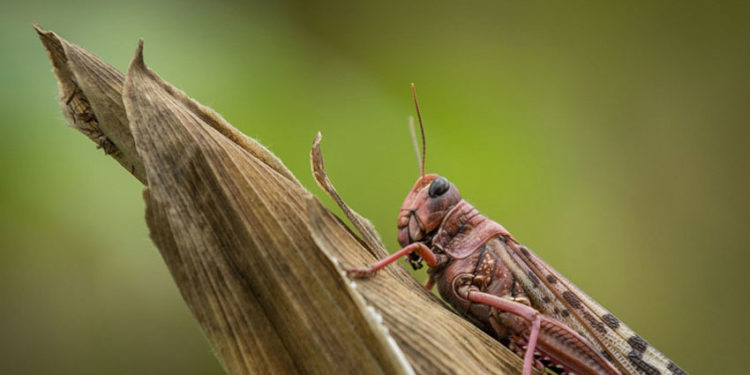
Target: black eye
column 439, row 186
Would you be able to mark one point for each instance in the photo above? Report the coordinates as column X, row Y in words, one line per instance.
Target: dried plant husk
column 91, row 99
column 255, row 256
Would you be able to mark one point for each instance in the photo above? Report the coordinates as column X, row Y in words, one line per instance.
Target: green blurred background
column 611, row 138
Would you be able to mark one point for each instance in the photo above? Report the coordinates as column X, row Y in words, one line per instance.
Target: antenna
column 421, row 128
column 414, row 143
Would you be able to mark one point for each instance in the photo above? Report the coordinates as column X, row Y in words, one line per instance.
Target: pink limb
column 558, row 341
column 430, row 282
column 421, row 249
column 518, row 309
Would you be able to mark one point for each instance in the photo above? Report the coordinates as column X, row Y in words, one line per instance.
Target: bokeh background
column 612, row 138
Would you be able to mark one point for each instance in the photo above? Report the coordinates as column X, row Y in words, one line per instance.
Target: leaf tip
column 139, row 53
column 38, row 29
column 43, row 34
column 316, row 140
column 137, row 63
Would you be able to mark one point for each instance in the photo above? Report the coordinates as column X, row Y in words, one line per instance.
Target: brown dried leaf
column 232, row 230
column 253, row 253
column 91, row 101
column 364, row 226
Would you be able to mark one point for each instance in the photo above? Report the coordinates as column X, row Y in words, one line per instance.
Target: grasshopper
column 500, row 285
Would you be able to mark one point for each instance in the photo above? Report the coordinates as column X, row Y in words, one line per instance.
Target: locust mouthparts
column 415, row 232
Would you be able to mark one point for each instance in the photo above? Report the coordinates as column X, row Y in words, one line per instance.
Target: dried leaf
column 91, row 100
column 232, row 230
column 364, row 226
column 253, row 253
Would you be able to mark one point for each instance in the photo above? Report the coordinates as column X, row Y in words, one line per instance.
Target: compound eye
column 439, row 186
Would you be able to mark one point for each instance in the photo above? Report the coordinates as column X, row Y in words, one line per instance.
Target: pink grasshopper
column 486, row 274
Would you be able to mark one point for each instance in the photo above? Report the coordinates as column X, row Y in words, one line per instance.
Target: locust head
column 424, row 209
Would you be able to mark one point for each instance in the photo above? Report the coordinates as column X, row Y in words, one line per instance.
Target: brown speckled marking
column 676, row 370
column 594, row 322
column 565, row 313
column 572, row 299
column 546, row 299
column 525, row 252
column 641, row 365
column 611, row 321
column 638, row 344
column 551, row 279
column 635, row 356
column 534, row 279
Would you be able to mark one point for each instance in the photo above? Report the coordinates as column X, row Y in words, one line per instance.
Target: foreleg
column 421, row 249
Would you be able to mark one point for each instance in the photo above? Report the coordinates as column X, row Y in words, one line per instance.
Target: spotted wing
column 555, row 296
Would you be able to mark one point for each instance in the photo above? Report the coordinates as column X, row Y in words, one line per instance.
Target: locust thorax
column 424, row 209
